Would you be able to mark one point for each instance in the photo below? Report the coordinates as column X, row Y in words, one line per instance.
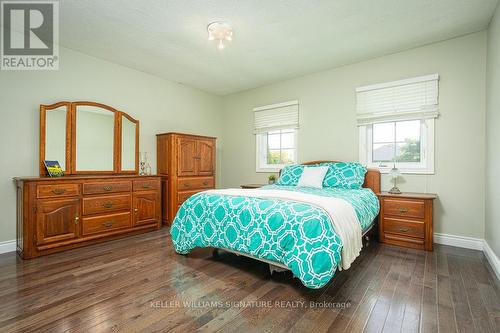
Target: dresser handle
column 186, row 185
column 403, row 210
column 107, row 188
column 205, row 183
column 146, row 185
column 107, row 204
column 58, row 191
column 76, row 219
column 108, row 224
column 404, row 229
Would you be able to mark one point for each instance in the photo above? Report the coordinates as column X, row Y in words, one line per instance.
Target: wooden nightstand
column 252, row 185
column 406, row 219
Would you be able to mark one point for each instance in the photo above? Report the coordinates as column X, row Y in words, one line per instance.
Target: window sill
column 268, row 170
column 385, row 171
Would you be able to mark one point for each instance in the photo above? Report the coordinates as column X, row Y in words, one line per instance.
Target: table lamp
column 395, row 173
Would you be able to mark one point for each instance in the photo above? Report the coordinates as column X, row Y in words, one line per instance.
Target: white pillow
column 313, row 177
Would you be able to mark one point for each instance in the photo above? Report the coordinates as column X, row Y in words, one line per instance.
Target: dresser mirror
column 95, row 129
column 88, row 138
column 55, row 121
column 129, row 148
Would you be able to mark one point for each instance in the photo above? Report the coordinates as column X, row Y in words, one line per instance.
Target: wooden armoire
column 186, row 163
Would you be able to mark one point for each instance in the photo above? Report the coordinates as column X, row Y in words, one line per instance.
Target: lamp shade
column 394, row 172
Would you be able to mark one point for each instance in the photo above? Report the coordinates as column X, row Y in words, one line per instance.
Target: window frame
column 425, row 166
column 261, row 151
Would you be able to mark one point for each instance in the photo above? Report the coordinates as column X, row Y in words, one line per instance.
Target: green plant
column 272, row 178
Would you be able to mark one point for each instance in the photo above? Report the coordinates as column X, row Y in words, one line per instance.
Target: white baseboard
column 8, row 246
column 471, row 243
column 492, row 258
column 459, row 241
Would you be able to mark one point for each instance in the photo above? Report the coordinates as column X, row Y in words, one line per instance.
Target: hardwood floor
column 140, row 284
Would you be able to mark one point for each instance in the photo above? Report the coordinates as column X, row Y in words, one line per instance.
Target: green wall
column 492, row 230
column 328, row 124
column 159, row 105
column 327, row 119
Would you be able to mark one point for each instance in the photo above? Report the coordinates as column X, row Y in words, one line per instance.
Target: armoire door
column 205, row 157
column 145, row 208
column 186, row 156
column 57, row 220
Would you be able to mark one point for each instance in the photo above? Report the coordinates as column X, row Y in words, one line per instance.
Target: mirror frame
column 71, row 125
column 42, row 134
column 119, row 141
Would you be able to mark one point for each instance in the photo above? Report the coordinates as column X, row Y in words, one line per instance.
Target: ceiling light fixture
column 221, row 32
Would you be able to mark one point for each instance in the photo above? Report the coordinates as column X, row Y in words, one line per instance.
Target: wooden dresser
column 407, row 219
column 187, row 164
column 55, row 214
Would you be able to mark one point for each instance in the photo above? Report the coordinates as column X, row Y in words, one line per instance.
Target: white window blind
column 415, row 98
column 276, row 117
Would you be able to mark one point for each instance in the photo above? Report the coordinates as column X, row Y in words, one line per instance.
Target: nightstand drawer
column 414, row 243
column 404, row 227
column 407, row 208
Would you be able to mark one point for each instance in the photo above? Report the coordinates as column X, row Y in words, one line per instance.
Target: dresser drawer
column 407, row 208
column 105, row 223
column 146, row 184
column 57, row 190
column 109, row 203
column 183, row 196
column 107, row 187
column 404, row 227
column 195, row 183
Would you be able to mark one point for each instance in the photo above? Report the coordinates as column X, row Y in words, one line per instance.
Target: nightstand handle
column 403, row 210
column 404, row 229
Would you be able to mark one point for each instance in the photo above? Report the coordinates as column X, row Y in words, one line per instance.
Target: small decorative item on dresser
column 272, row 179
column 53, row 168
column 406, row 219
column 144, row 164
column 395, row 173
column 250, row 186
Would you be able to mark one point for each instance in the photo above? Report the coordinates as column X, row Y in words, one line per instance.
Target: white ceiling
column 273, row 39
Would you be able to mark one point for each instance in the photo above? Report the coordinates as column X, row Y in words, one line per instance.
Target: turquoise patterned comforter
column 296, row 234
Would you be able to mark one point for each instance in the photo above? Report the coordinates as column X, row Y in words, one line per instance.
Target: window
column 276, row 135
column 397, row 141
column 396, row 124
column 276, row 149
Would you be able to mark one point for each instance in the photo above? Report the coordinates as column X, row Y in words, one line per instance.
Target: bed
column 288, row 227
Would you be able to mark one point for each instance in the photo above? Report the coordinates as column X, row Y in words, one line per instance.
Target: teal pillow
column 349, row 175
column 290, row 175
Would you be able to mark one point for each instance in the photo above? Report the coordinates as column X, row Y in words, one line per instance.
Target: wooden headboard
column 372, row 177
